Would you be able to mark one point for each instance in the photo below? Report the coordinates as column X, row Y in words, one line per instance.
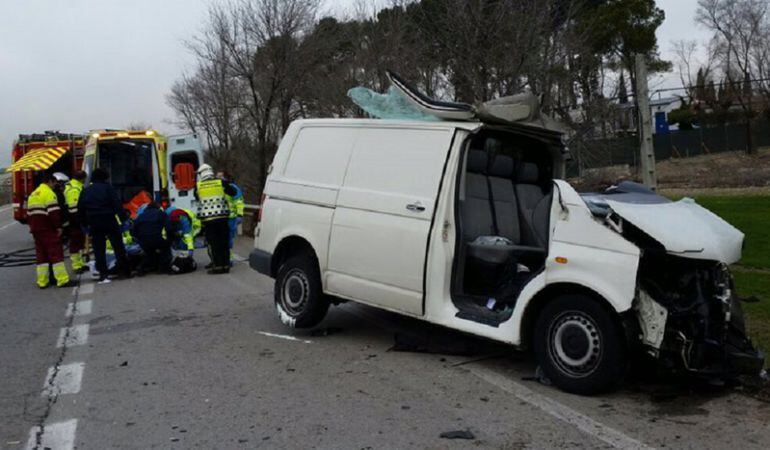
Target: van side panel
column 302, row 188
column 382, row 220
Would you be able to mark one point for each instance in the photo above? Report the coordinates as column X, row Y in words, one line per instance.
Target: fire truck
column 34, row 154
column 141, row 164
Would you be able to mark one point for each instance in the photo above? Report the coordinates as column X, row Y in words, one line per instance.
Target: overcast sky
column 75, row 65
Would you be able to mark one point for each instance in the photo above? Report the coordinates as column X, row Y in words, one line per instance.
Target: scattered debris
column 124, row 364
column 540, row 377
column 325, row 331
column 457, row 434
column 405, row 407
column 484, row 399
column 440, row 343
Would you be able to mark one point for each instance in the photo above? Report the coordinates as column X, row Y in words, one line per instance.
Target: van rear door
column 184, row 156
column 383, row 217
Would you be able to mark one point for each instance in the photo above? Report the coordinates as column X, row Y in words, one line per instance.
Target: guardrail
column 249, row 219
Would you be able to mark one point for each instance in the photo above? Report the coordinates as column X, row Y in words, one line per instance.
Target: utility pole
column 646, row 149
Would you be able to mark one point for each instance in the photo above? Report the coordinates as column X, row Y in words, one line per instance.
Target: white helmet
column 205, row 172
column 61, row 177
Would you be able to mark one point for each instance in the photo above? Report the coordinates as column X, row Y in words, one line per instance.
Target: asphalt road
column 201, row 361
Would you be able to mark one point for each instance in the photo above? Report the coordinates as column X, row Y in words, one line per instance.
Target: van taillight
column 261, row 207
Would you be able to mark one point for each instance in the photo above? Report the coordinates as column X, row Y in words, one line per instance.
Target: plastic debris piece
column 457, row 434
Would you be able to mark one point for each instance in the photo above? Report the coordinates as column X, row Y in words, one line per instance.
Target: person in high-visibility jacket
column 77, row 238
column 236, row 205
column 214, row 214
column 182, row 229
column 44, row 219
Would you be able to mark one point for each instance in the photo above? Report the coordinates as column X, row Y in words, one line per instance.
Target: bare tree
column 738, row 27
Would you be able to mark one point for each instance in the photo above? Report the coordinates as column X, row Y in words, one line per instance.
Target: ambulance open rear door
column 184, row 155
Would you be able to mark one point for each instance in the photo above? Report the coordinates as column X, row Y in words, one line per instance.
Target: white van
column 469, row 225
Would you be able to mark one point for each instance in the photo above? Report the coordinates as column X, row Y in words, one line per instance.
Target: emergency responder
column 77, row 239
column 214, row 213
column 236, row 205
column 183, row 228
column 150, row 228
column 99, row 209
column 44, row 218
column 58, row 189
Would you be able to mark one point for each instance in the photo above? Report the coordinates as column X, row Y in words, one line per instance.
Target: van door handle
column 415, row 207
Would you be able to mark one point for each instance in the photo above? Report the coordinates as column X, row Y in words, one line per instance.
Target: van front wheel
column 299, row 299
column 579, row 346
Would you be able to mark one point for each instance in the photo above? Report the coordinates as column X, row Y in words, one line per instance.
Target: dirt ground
column 732, row 173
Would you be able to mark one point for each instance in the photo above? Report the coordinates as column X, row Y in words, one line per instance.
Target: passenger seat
column 534, row 201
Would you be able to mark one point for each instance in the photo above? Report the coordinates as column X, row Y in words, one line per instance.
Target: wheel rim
column 575, row 344
column 295, row 292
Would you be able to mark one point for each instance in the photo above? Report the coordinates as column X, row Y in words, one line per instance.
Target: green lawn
column 752, row 274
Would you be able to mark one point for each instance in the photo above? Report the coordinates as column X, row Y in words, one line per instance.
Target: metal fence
column 598, row 153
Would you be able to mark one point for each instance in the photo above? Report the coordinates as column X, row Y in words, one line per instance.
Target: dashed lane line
column 284, row 336
column 57, row 436
column 83, row 308
column 66, row 381
column 86, row 289
column 73, row 336
column 560, row 411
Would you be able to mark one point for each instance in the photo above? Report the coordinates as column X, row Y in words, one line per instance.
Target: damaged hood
column 683, row 228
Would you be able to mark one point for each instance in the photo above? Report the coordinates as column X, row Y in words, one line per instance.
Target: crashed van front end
column 687, row 314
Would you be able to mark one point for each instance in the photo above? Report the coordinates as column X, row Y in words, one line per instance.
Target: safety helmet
column 61, row 177
column 205, row 172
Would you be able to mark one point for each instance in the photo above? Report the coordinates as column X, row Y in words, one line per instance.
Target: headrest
column 527, row 173
column 477, row 161
column 502, row 167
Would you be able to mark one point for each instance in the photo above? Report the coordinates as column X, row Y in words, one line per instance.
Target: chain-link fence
column 591, row 154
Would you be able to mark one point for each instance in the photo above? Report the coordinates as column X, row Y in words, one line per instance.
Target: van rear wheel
column 299, row 299
column 579, row 345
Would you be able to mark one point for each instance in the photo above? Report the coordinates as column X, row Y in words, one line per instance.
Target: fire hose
column 18, row 258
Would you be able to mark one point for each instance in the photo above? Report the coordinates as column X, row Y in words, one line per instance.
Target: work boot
column 67, row 284
column 218, row 270
column 209, row 266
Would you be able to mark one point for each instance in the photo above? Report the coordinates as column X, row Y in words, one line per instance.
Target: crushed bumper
column 261, row 261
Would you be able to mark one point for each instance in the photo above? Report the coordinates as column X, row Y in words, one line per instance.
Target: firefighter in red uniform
column 44, row 218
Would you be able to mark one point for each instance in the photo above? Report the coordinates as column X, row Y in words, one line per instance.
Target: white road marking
column 7, row 225
column 84, row 308
column 238, row 258
column 66, row 381
column 562, row 412
column 56, row 436
column 283, row 336
column 85, row 288
column 78, row 335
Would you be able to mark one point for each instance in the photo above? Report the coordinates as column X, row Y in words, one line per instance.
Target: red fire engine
column 34, row 154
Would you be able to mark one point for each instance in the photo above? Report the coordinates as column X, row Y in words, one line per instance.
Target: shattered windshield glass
column 390, row 105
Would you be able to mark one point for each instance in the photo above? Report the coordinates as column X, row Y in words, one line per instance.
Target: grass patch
column 750, row 215
column 757, row 314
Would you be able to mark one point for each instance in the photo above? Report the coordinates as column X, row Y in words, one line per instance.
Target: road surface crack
column 53, row 396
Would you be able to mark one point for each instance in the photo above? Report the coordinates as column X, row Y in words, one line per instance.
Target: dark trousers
column 217, row 234
column 157, row 255
column 77, row 238
column 102, row 229
column 48, row 247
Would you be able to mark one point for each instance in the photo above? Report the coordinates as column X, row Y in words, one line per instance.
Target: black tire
column 299, row 298
column 579, row 345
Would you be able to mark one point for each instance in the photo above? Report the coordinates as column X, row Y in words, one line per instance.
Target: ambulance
column 146, row 163
column 142, row 164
